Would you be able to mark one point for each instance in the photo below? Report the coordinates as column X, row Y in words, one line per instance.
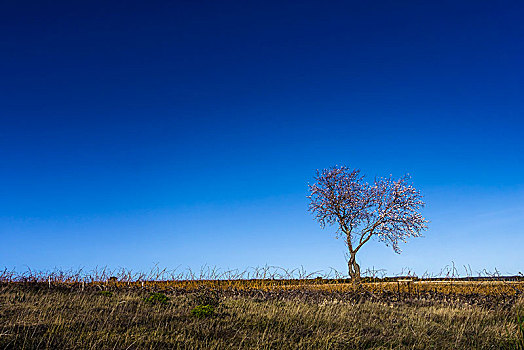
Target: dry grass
column 34, row 316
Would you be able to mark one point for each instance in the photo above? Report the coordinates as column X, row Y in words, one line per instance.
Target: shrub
column 201, row 311
column 105, row 293
column 156, row 298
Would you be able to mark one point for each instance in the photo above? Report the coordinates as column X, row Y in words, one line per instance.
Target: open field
column 260, row 314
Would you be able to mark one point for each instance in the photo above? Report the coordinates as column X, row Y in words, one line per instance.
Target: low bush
column 156, row 298
column 201, row 311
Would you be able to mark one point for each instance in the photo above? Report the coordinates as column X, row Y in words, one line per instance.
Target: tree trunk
column 354, row 269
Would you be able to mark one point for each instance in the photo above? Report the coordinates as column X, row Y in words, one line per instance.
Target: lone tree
column 387, row 209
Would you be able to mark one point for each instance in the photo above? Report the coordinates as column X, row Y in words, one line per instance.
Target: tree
column 388, row 209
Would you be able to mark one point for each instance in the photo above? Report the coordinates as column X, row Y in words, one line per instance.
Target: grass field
column 260, row 314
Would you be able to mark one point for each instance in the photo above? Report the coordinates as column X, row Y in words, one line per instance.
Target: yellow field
column 413, row 287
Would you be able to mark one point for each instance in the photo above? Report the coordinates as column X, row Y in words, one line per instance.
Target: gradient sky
column 185, row 133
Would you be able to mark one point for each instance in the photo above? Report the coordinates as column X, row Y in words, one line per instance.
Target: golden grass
column 257, row 310
column 33, row 317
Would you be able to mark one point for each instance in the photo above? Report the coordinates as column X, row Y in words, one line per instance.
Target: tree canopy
column 387, row 208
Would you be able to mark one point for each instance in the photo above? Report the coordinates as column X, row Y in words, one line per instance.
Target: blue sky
column 185, row 133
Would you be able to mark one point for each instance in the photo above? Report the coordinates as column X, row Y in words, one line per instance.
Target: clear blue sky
column 185, row 132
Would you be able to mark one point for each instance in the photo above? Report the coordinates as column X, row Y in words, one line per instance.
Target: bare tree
column 388, row 209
